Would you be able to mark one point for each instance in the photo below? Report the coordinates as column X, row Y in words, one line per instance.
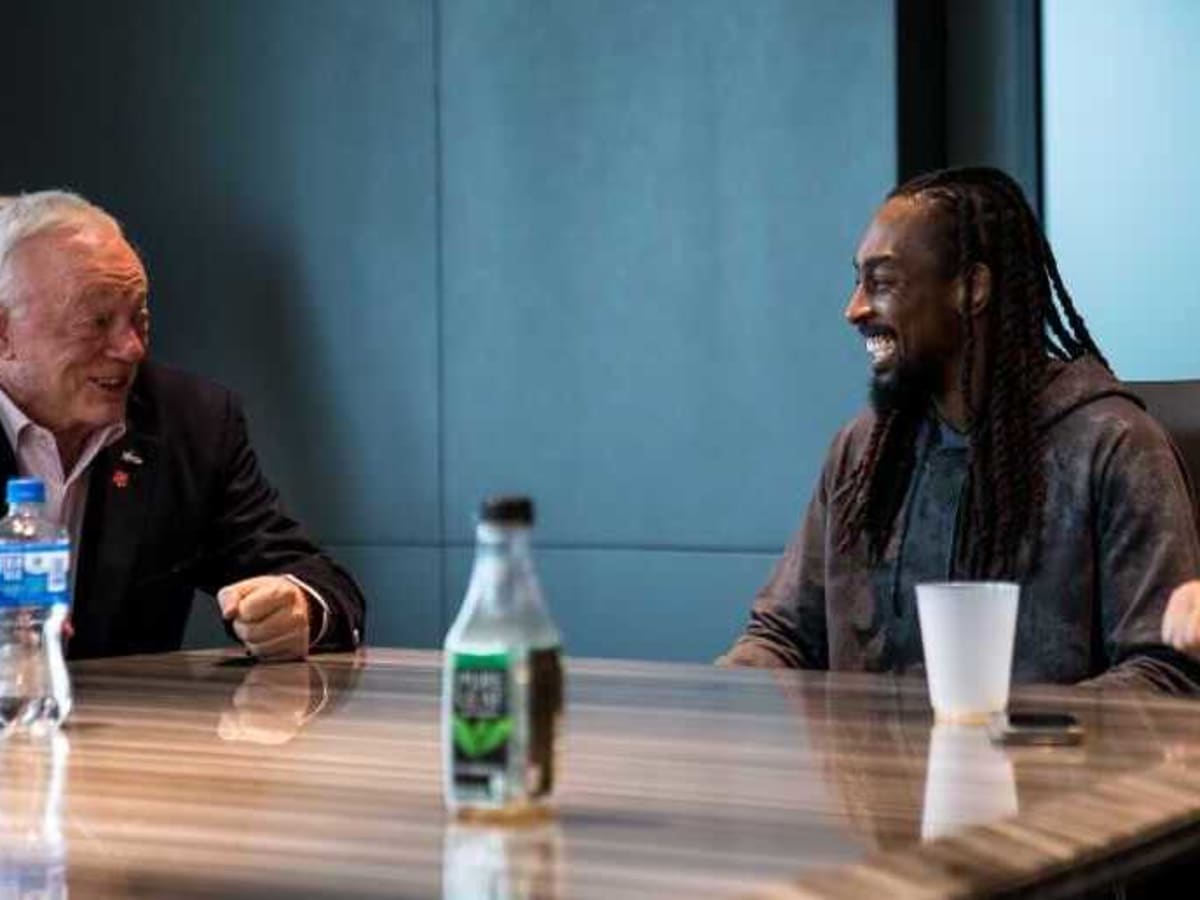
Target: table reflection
column 275, row 701
column 33, row 846
column 198, row 775
column 524, row 862
column 899, row 778
column 871, row 749
column 968, row 781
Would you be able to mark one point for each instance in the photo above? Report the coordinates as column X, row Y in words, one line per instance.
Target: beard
column 907, row 387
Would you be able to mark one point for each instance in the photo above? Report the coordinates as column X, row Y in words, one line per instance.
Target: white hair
column 27, row 215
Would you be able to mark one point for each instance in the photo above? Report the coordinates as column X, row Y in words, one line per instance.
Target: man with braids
column 998, row 445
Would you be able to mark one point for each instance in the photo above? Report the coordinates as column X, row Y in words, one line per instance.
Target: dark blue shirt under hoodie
column 928, row 536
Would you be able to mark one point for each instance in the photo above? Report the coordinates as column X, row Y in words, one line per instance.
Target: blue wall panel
column 640, row 604
column 650, row 211
column 1121, row 180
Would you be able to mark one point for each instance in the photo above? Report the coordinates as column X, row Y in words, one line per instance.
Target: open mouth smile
column 114, row 384
column 882, row 349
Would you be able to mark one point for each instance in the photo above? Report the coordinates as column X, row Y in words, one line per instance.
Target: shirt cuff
column 320, row 601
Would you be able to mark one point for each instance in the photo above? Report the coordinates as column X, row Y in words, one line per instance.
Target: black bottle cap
column 509, row 510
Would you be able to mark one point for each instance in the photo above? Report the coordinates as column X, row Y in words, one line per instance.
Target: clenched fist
column 269, row 615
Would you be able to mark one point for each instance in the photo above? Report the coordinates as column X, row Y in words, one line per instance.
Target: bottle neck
column 511, row 541
column 503, row 569
column 28, row 508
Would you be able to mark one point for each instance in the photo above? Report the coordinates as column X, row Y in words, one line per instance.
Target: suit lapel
column 120, row 493
column 8, row 460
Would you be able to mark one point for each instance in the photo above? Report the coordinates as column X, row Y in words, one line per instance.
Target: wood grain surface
column 195, row 774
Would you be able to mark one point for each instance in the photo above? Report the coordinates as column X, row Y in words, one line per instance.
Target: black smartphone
column 1035, row 729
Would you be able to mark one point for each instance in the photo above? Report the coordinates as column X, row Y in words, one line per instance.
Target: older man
column 150, row 469
column 998, row 445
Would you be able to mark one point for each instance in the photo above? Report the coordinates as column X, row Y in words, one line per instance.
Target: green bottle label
column 482, row 721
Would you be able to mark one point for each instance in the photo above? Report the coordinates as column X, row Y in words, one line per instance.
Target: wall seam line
column 439, row 303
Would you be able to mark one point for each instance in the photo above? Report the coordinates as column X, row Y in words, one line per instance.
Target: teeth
column 881, row 348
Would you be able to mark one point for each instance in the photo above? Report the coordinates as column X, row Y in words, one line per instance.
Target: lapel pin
column 120, row 478
column 131, row 457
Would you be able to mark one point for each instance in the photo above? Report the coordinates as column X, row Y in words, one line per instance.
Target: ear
column 978, row 283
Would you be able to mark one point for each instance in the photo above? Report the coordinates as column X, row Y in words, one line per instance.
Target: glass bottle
column 502, row 692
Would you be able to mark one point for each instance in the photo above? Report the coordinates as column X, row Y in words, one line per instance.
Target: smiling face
column 905, row 305
column 74, row 327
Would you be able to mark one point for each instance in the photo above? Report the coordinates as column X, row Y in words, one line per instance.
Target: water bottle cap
column 25, row 490
column 507, row 510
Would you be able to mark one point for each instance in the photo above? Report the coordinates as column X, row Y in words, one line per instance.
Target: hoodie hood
column 1077, row 383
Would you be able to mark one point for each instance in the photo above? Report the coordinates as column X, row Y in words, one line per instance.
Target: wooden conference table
column 194, row 774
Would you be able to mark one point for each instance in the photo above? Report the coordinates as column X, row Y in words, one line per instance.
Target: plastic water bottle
column 35, row 689
column 502, row 692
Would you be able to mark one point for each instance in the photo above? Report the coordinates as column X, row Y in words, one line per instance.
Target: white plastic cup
column 967, row 629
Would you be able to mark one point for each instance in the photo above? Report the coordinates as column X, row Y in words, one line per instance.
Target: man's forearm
column 1158, row 669
column 751, row 651
column 771, row 642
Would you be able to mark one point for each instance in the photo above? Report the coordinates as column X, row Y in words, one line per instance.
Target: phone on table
column 1036, row 729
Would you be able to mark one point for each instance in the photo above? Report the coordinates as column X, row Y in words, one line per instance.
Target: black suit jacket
column 179, row 504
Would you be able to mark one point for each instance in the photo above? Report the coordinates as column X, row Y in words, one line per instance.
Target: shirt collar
column 939, row 433
column 950, row 438
column 13, row 419
column 15, row 422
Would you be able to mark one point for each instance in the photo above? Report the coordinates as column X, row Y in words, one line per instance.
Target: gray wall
column 992, row 88
column 968, row 87
column 593, row 251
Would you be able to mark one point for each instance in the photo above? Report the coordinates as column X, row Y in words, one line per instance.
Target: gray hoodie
column 1118, row 534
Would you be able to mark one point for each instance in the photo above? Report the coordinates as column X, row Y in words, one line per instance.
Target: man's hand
column 1181, row 621
column 269, row 615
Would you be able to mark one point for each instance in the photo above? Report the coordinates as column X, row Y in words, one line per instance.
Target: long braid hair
column 982, row 217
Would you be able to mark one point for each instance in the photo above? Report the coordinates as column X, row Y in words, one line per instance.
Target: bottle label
column 34, row 574
column 483, row 725
column 482, row 722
